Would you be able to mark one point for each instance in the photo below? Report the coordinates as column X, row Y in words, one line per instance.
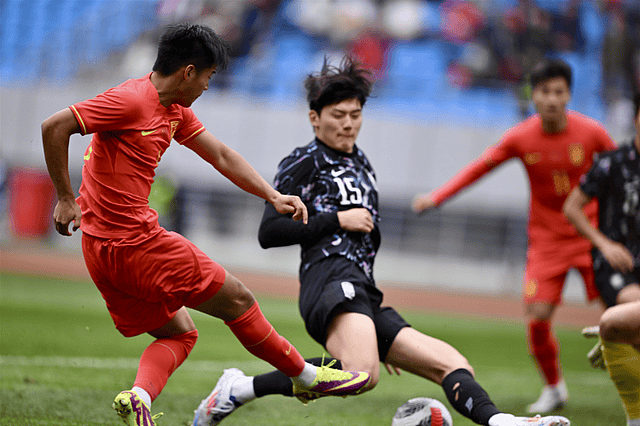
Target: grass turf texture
column 62, row 362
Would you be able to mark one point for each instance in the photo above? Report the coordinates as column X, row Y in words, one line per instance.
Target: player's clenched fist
column 423, row 203
column 65, row 212
column 356, row 220
column 618, row 255
column 291, row 204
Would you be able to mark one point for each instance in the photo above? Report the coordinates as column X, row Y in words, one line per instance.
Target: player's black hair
column 548, row 69
column 336, row 84
column 185, row 44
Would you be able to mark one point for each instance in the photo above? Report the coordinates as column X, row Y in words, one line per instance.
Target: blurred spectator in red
column 370, row 49
column 461, row 20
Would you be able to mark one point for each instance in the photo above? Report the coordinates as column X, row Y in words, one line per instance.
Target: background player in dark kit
column 614, row 179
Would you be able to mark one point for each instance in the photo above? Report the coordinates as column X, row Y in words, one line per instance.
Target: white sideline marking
column 122, row 363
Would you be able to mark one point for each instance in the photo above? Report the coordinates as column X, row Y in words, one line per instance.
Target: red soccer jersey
column 131, row 130
column 554, row 163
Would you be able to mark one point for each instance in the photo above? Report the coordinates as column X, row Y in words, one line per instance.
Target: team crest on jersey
column 174, row 127
column 576, row 154
column 532, row 158
column 531, row 287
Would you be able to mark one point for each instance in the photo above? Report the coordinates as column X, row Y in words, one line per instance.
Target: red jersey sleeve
column 490, row 158
column 607, row 143
column 189, row 128
column 115, row 109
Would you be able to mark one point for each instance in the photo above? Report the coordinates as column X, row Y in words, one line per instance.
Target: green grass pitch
column 62, row 362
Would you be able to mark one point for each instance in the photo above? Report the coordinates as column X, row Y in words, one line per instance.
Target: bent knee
column 240, row 298
column 372, row 370
column 610, row 327
column 458, row 362
column 540, row 311
column 373, row 382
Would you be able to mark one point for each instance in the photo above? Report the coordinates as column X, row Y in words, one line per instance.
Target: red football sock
column 260, row 338
column 544, row 347
column 161, row 359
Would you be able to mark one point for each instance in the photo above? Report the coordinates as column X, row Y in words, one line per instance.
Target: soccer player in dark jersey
column 556, row 147
column 614, row 179
column 146, row 275
column 339, row 301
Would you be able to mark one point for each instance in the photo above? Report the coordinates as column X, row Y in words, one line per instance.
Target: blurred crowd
column 493, row 43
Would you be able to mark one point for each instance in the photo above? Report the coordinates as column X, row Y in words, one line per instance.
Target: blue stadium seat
column 293, row 55
column 417, row 69
column 52, row 38
column 279, row 70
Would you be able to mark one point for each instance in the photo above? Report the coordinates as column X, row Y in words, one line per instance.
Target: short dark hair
column 336, row 84
column 548, row 69
column 185, row 44
column 636, row 104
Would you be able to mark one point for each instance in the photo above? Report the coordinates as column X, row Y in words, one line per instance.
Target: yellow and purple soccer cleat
column 132, row 410
column 332, row 382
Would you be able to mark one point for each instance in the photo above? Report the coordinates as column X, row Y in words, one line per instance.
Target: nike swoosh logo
column 148, row 132
column 336, row 173
column 288, row 351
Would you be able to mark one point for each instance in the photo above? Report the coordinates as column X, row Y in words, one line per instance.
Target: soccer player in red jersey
column 556, row 147
column 148, row 276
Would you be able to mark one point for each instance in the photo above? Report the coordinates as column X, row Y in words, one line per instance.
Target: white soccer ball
column 422, row 412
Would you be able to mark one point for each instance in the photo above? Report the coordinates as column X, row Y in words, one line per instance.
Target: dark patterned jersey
column 327, row 181
column 614, row 179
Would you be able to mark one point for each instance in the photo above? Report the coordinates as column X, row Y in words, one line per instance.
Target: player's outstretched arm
column 56, row 131
column 616, row 254
column 423, row 203
column 277, row 230
column 235, row 168
column 468, row 175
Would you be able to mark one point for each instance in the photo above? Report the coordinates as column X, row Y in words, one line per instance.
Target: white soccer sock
column 242, row 389
column 307, row 376
column 143, row 394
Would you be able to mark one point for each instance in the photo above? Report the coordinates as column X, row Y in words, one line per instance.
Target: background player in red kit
column 146, row 275
column 556, row 147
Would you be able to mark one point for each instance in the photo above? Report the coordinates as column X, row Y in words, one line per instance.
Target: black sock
column 277, row 383
column 468, row 397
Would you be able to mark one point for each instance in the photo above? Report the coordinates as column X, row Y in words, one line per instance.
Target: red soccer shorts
column 545, row 275
column 145, row 280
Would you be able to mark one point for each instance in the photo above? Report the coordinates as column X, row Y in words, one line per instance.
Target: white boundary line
column 122, row 363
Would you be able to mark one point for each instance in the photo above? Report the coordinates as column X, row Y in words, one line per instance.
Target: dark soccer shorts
column 609, row 281
column 145, row 280
column 336, row 285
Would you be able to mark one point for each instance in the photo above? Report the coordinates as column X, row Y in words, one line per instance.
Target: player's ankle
column 243, row 390
column 307, row 376
column 143, row 394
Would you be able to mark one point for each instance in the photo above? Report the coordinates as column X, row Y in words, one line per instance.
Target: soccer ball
column 422, row 412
